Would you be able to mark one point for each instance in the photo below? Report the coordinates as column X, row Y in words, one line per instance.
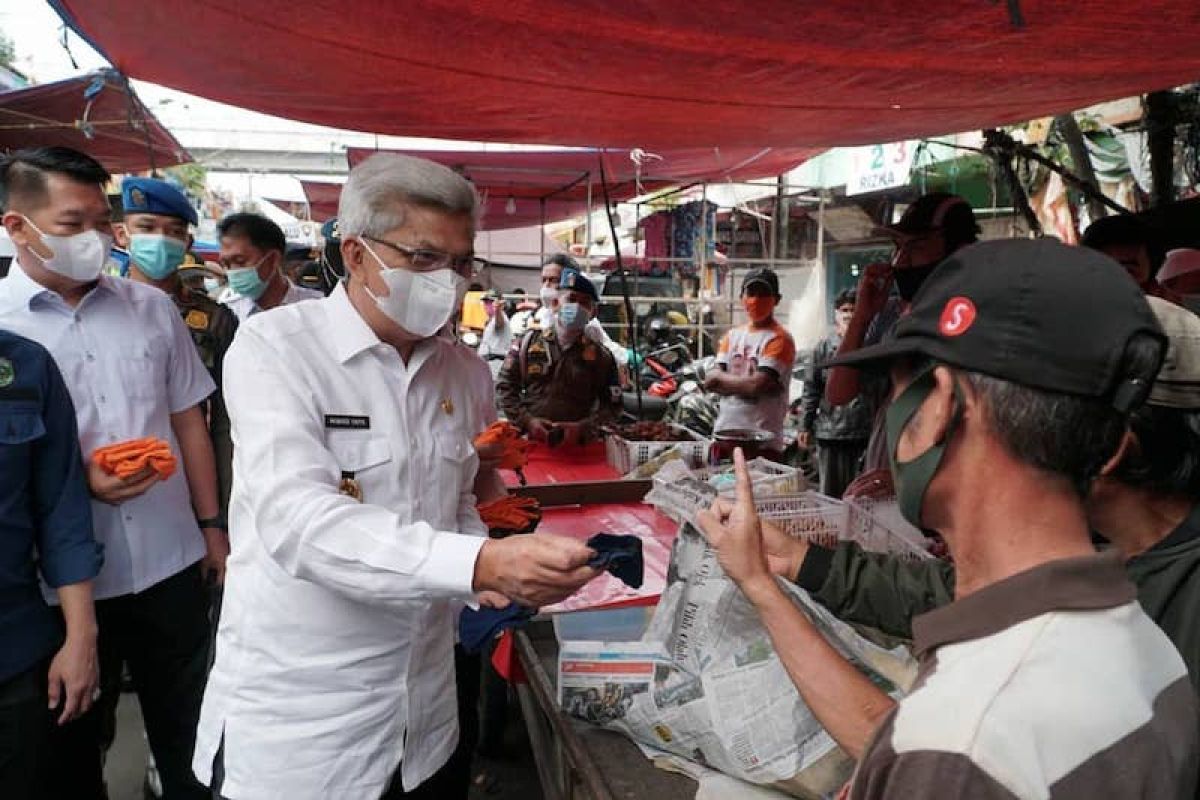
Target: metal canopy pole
column 587, row 241
column 542, row 231
column 631, row 323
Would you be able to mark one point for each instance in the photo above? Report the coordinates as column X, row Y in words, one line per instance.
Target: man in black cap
column 1044, row 677
column 557, row 382
column 934, row 227
column 755, row 363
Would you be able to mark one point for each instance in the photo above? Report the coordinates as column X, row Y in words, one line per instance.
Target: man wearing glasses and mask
column 352, row 522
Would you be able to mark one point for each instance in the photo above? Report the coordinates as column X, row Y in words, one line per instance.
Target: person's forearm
column 199, row 463
column 79, row 613
column 745, row 386
column 842, row 385
column 843, row 700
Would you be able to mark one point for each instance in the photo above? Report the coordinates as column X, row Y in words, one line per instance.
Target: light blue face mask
column 156, row 256
column 573, row 316
column 246, row 281
column 212, row 285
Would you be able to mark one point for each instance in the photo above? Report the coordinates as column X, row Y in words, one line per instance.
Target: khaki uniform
column 541, row 378
column 212, row 327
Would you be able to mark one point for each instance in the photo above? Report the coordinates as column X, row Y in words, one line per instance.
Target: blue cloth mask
column 246, row 281
column 573, row 316
column 156, row 256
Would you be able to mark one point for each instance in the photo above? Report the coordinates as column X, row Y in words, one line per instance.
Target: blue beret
column 573, row 279
column 152, row 196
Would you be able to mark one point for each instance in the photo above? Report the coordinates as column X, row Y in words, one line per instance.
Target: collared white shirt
column 244, row 307
column 129, row 364
column 336, row 640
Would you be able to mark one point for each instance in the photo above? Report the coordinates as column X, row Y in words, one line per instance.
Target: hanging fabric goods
column 510, row 515
column 619, row 555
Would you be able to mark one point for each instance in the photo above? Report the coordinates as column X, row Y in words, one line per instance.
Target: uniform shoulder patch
column 196, row 319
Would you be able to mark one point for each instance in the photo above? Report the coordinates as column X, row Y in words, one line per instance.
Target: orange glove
column 514, row 446
column 126, row 459
column 510, row 514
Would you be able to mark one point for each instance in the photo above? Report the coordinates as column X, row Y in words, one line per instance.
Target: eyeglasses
column 424, row 259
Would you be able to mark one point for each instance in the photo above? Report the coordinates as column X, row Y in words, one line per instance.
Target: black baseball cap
column 932, row 212
column 1037, row 313
column 762, row 275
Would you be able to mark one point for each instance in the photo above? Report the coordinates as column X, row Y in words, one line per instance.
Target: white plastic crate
column 878, row 526
column 681, row 493
column 625, row 455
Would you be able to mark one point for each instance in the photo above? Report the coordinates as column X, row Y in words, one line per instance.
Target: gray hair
column 379, row 190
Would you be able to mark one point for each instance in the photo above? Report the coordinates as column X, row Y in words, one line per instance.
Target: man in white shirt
column 252, row 253
column 497, row 337
column 354, row 531
column 132, row 372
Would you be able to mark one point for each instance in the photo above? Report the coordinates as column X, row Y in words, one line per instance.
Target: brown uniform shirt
column 541, row 378
column 212, row 327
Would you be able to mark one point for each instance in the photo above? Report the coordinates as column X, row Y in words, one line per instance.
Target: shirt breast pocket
column 365, row 459
column 455, row 458
column 138, row 374
column 20, row 423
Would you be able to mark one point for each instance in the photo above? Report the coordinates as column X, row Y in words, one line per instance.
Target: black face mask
column 910, row 279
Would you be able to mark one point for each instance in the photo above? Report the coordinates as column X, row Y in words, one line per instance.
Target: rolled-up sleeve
column 62, row 511
column 313, row 532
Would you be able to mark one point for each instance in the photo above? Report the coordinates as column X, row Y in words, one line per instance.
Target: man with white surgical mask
column 557, row 384
column 353, row 523
column 252, row 253
column 132, row 372
column 1180, row 274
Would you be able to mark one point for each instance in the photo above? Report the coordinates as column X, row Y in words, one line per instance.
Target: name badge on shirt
column 347, row 422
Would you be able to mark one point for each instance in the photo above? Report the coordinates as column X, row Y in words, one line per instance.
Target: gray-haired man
column 353, row 525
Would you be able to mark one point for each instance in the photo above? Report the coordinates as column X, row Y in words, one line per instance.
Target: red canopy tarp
column 124, row 135
column 670, row 73
column 322, row 197
column 559, row 179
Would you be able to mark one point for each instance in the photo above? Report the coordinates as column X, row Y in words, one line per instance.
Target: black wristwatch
column 213, row 522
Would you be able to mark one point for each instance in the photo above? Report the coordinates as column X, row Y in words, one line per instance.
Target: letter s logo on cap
column 957, row 317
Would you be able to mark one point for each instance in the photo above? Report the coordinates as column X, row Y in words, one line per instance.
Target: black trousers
column 24, row 725
column 840, row 462
column 162, row 634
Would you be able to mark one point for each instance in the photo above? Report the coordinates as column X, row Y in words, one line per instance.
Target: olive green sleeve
column 509, row 385
column 875, row 589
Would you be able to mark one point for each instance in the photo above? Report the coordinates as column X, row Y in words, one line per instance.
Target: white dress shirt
column 129, row 364
column 335, row 649
column 244, row 307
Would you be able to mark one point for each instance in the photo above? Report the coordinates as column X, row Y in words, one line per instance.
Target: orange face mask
column 758, row 308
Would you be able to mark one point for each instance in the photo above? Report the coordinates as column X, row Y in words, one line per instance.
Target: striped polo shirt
column 1052, row 683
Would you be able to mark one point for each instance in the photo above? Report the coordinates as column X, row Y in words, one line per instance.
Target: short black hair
column 262, row 232
column 1166, row 457
column 564, row 261
column 23, row 173
column 846, row 297
column 1069, row 436
column 1122, row 230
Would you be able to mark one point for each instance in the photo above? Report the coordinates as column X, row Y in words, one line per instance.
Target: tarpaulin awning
column 98, row 114
column 322, row 197
column 528, row 187
column 671, row 73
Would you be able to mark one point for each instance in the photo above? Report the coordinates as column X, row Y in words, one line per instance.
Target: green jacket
column 885, row 593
